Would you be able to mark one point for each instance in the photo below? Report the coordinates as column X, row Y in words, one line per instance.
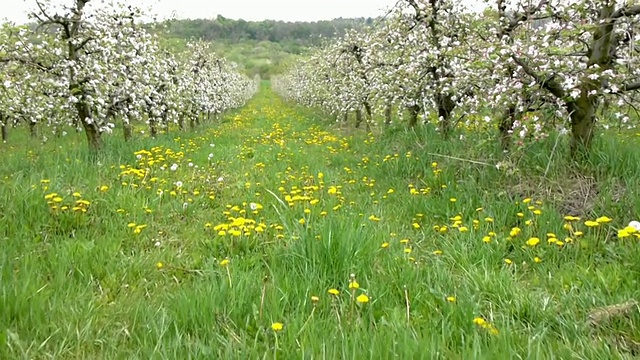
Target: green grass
column 86, row 285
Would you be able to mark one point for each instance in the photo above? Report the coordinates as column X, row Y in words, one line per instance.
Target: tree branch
column 631, row 86
column 547, row 83
column 626, row 11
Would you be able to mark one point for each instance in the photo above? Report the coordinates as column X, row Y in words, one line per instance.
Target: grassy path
column 271, row 235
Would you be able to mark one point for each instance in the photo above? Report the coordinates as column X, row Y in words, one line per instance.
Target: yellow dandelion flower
column 334, row 292
column 479, row 321
column 604, row 220
column 225, row 262
column 451, row 299
column 533, row 241
column 362, row 299
column 590, row 223
column 276, row 326
column 354, row 285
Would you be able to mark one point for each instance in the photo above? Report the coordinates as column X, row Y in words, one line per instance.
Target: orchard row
column 95, row 66
column 524, row 68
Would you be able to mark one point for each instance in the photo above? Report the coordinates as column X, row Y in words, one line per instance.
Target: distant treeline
column 303, row 34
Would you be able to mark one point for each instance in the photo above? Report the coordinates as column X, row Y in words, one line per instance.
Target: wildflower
column 224, row 262
column 479, row 321
column 315, row 299
column 159, row 265
column 537, row 260
column 571, row 218
column 533, row 241
column 623, row 233
column 508, row 261
column 334, row 292
column 354, row 285
column 451, row 299
column 486, row 239
column 590, row 223
column 437, row 252
column 385, row 245
column 603, row 220
column 515, row 232
column 255, row 206
column 139, row 229
column 104, row 188
column 276, row 326
column 416, row 225
column 362, row 299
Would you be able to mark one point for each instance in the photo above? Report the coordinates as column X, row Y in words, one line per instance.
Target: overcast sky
column 292, row 10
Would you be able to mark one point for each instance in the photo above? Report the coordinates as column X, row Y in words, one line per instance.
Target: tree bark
column 33, row 130
column 445, row 107
column 3, row 127
column 506, row 125
column 94, row 139
column 369, row 118
column 583, row 121
column 127, row 131
column 358, row 118
column 153, row 127
column 387, row 114
column 414, row 112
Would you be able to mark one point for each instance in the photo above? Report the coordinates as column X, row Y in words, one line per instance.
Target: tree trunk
column 3, row 127
column 94, row 139
column 33, row 130
column 506, row 125
column 445, row 108
column 181, row 123
column 414, row 112
column 388, row 111
column 358, row 118
column 583, row 120
column 126, row 130
column 153, row 129
column 369, row 118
